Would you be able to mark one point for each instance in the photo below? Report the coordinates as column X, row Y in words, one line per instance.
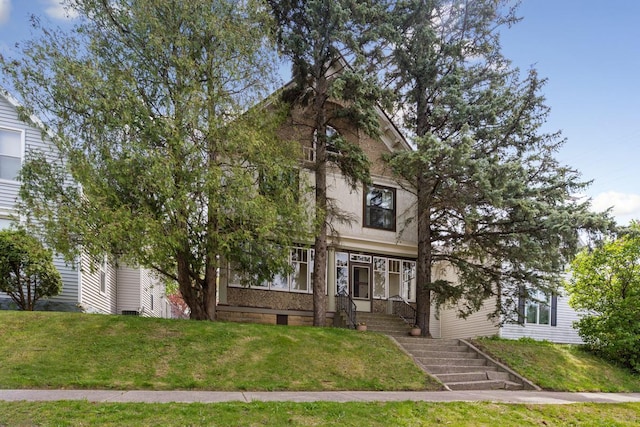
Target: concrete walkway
column 503, row 396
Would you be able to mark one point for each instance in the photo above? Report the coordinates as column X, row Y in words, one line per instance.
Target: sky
column 589, row 50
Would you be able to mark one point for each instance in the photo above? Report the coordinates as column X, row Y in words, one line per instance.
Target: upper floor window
column 380, row 208
column 10, row 153
column 332, row 150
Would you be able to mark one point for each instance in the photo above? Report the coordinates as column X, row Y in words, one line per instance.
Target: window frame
column 103, row 276
column 22, row 134
column 531, row 298
column 367, row 223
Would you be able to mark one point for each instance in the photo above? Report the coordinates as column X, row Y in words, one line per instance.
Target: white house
column 88, row 284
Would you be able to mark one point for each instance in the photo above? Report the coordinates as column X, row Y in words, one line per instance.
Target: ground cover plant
column 561, row 367
column 80, row 413
column 74, row 350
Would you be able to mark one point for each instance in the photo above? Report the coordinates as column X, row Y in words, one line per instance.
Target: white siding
column 563, row 332
column 93, row 299
column 69, row 275
column 476, row 325
column 129, row 289
column 9, row 194
column 152, row 287
column 135, row 289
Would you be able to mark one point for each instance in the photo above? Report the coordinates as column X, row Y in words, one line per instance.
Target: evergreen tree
column 149, row 105
column 493, row 203
column 319, row 37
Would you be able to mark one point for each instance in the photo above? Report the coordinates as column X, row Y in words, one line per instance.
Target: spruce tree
column 330, row 43
column 493, row 203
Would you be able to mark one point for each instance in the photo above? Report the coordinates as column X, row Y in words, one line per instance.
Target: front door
column 361, row 286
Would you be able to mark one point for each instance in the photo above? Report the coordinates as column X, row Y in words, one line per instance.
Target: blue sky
column 590, row 52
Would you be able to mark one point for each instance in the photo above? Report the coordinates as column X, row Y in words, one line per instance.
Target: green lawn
column 560, row 367
column 80, row 413
column 73, row 350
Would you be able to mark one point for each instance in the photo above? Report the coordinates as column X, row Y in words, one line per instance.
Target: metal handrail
column 400, row 307
column 345, row 303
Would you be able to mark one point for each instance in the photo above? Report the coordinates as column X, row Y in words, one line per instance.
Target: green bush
column 27, row 273
column 606, row 285
column 615, row 334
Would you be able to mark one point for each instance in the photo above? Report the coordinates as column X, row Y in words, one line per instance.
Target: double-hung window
column 380, row 208
column 537, row 308
column 10, row 153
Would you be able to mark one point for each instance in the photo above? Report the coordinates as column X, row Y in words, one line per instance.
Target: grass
column 560, row 367
column 81, row 413
column 80, row 351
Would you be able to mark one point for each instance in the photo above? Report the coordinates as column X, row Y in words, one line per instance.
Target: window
column 379, row 208
column 409, row 280
column 10, row 153
column 332, row 150
column 5, row 223
column 379, row 278
column 342, row 273
column 300, row 280
column 537, row 308
column 103, row 275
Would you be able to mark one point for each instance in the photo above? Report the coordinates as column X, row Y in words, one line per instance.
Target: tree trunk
column 197, row 296
column 423, row 268
column 320, row 244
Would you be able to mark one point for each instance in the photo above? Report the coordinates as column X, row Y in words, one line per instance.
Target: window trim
column 394, row 210
column 22, row 150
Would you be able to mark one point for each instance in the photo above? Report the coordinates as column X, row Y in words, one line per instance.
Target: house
column 373, row 257
column 90, row 285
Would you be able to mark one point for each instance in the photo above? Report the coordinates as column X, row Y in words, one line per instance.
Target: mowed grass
column 82, row 413
column 561, row 367
column 81, row 351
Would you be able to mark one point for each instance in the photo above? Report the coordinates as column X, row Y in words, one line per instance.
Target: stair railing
column 345, row 304
column 400, row 307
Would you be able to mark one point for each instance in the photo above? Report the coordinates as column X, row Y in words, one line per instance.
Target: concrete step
column 454, row 369
column 429, row 341
column 472, row 376
column 484, row 385
column 452, row 362
column 444, row 354
column 453, row 354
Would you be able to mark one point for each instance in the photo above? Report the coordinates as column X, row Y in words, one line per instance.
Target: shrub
column 27, row 273
column 606, row 285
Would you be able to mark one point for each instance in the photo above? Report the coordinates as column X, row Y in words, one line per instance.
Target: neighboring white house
column 88, row 285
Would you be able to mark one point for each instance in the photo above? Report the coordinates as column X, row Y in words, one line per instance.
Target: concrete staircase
column 457, row 365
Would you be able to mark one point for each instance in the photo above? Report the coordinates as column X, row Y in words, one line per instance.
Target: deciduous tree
column 27, row 273
column 605, row 287
column 149, row 106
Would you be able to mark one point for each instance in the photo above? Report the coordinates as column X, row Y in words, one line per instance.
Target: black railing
column 402, row 308
column 344, row 304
